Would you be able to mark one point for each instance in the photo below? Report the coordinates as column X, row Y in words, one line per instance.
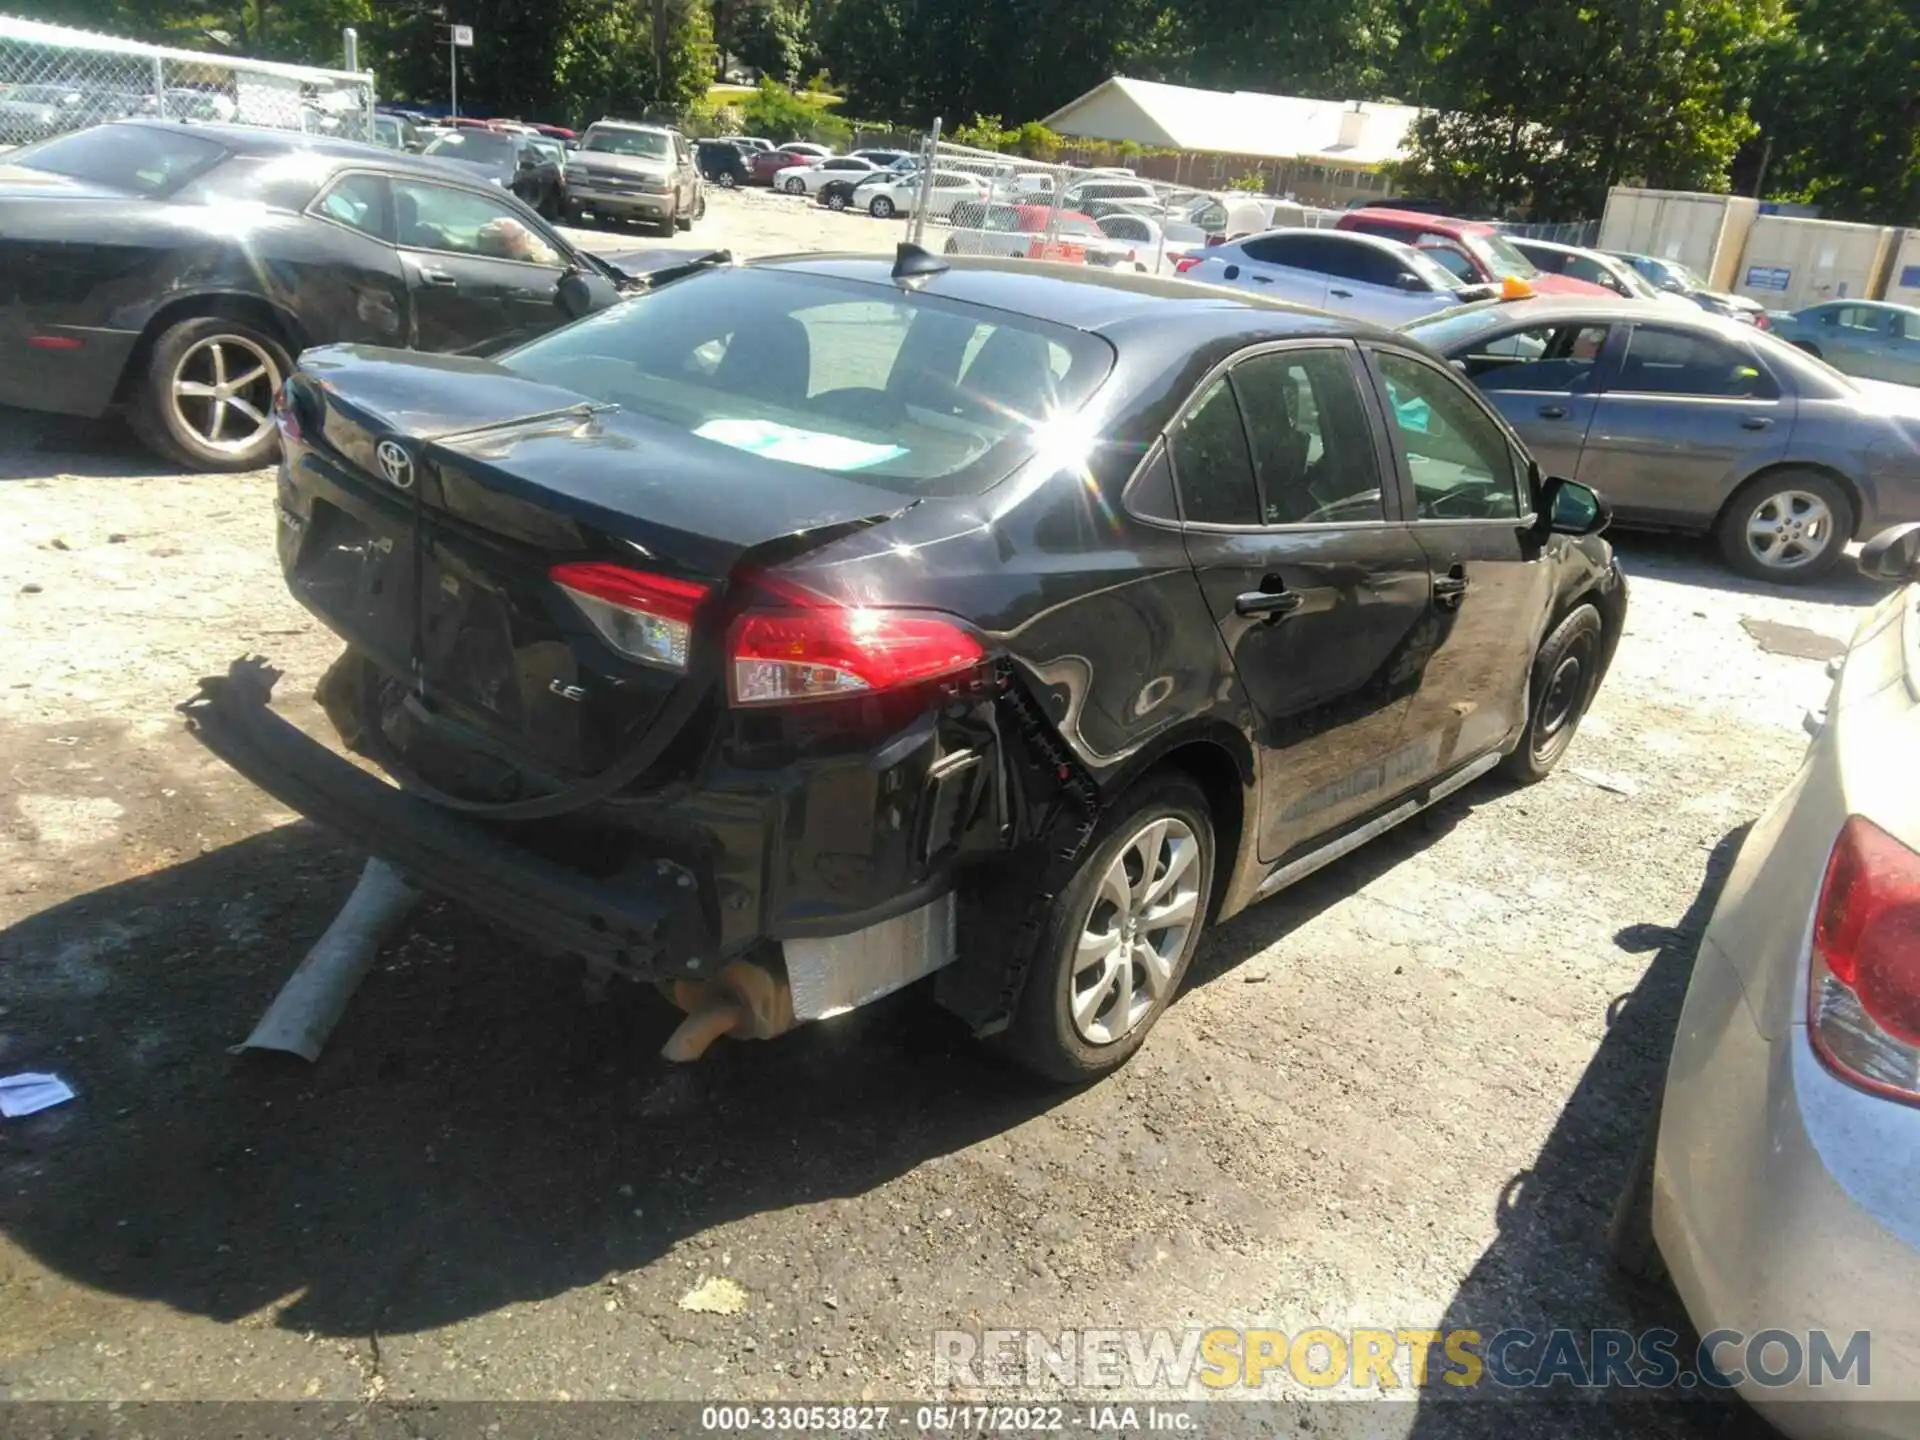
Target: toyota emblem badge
column 395, row 464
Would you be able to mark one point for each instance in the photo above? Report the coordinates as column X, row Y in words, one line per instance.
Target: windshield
column 473, row 145
column 134, row 158
column 1496, row 252
column 648, row 144
column 914, row 393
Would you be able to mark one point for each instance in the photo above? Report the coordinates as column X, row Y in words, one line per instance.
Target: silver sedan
column 1692, row 422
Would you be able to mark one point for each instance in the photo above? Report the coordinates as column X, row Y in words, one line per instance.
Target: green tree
column 1838, row 105
column 771, row 36
column 1541, row 105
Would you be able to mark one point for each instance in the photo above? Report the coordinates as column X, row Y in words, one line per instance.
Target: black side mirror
column 1893, row 554
column 1571, row 508
column 573, row 295
column 1407, row 280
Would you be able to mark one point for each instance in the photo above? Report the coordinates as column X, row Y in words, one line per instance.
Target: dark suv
column 803, row 628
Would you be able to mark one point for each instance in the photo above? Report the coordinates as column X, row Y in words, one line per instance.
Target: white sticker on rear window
column 798, row 447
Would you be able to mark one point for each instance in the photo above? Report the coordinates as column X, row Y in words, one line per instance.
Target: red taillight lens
column 1185, row 263
column 783, row 656
column 285, row 418
column 645, row 617
column 1863, row 1000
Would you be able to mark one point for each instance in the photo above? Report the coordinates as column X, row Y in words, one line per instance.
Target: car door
column 1542, row 380
column 354, row 288
column 1287, row 266
column 483, row 273
column 1318, row 589
column 1850, row 339
column 1468, row 492
column 1364, row 280
column 1903, row 347
column 1681, row 415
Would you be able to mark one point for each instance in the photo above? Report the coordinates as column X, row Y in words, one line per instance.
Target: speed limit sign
column 463, row 35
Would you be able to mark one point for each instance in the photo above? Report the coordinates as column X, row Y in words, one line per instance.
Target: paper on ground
column 29, row 1093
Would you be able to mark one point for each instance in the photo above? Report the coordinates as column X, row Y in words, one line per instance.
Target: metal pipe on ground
column 315, row 996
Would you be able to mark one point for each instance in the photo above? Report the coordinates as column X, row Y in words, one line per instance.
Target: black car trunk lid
column 487, row 481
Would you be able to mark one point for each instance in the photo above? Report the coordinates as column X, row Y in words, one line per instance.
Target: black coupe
column 805, row 627
column 173, row 270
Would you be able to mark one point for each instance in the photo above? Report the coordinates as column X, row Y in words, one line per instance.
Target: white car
column 807, row 147
column 1155, row 246
column 807, row 179
column 1776, row 1188
column 902, row 196
column 1366, row 276
column 1081, row 192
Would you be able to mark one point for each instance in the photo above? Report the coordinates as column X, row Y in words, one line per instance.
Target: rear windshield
column 1500, row 257
column 135, row 158
column 918, row 394
column 474, row 145
column 648, row 143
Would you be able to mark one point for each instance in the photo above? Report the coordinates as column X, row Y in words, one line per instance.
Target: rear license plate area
column 358, row 575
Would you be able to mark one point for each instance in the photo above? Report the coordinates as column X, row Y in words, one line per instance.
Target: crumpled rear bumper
column 651, row 926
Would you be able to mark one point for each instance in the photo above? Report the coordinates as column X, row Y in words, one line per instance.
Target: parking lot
column 1402, row 1094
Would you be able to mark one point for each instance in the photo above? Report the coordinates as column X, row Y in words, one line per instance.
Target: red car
column 769, row 163
column 1472, row 249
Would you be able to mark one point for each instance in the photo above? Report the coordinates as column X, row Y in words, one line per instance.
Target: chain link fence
column 963, row 201
column 54, row 80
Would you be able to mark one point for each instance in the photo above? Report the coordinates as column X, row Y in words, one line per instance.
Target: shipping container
column 1706, row 233
column 1789, row 263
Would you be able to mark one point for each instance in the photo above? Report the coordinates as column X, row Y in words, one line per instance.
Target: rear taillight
column 1185, row 263
column 645, row 617
column 1863, row 990
column 285, row 418
column 783, row 656
column 1760, row 322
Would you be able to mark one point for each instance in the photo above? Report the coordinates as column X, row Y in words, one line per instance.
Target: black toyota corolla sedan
column 804, row 628
column 172, row 271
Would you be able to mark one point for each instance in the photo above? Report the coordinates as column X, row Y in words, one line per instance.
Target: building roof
column 1355, row 134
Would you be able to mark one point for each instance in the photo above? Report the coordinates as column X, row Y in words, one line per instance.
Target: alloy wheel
column 223, row 392
column 1789, row 530
column 1135, row 930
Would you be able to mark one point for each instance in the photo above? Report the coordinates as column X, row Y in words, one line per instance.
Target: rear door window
column 438, row 217
column 1312, row 443
column 1211, row 463
column 1673, row 362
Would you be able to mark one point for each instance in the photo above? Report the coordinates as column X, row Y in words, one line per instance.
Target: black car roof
column 1083, row 297
column 255, row 141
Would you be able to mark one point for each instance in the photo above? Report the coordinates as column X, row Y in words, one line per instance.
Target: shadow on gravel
column 34, row 446
column 1550, row 1267
column 1693, row 560
column 476, row 1134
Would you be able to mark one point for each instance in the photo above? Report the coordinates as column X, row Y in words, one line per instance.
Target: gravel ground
column 1401, row 1094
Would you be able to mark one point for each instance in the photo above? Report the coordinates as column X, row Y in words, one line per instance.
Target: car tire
column 1566, row 671
column 683, row 221
column 699, row 208
column 1790, row 503
column 1082, row 1013
column 572, row 214
column 172, row 406
column 727, row 182
column 1630, row 1239
column 669, row 226
column 795, row 186
column 836, row 201
column 880, row 207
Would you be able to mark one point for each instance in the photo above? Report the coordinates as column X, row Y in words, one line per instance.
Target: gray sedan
column 1695, row 423
column 1862, row 337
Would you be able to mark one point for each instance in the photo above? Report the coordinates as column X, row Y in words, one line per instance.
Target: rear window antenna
column 913, row 263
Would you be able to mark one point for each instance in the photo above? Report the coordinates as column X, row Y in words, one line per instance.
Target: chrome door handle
column 1754, row 422
column 1553, row 412
column 1343, row 294
column 438, row 277
column 1270, row 603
